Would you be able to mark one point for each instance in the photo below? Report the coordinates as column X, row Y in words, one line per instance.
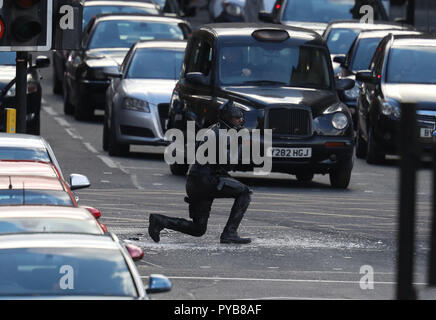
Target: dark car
column 316, row 14
column 105, row 42
column 402, row 70
column 92, row 8
column 7, row 74
column 358, row 58
column 290, row 90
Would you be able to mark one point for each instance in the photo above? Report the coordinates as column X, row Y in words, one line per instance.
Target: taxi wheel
column 340, row 177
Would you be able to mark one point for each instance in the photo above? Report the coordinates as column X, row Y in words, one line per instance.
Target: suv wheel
column 361, row 146
column 114, row 147
column 68, row 107
column 373, row 155
column 340, row 177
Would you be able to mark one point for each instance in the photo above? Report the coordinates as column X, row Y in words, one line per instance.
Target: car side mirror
column 158, row 284
column 198, row 78
column 266, row 16
column 42, row 62
column 344, row 84
column 111, row 73
column 78, row 181
column 366, row 76
column 340, row 58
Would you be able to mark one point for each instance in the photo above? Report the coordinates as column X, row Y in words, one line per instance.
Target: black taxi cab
column 282, row 79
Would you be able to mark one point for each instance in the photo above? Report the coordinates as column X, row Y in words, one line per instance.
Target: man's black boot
column 229, row 234
column 155, row 226
column 233, row 238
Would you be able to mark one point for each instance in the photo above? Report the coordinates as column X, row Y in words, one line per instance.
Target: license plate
column 290, row 152
column 426, row 133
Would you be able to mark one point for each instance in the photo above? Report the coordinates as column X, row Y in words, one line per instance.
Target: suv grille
column 290, row 121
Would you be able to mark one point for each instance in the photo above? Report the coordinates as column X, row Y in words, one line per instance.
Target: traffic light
column 26, row 25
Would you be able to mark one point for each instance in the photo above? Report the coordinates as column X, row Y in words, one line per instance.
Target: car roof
column 42, row 211
column 30, row 183
column 120, row 3
column 353, row 24
column 27, row 168
column 235, row 30
column 382, row 33
column 164, row 44
column 414, row 41
column 137, row 17
column 21, row 140
column 57, row 240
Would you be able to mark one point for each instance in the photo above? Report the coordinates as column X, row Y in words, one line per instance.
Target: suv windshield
column 274, row 64
column 41, row 272
column 318, row 10
column 412, row 65
column 363, row 53
column 340, row 40
column 124, row 33
column 155, row 64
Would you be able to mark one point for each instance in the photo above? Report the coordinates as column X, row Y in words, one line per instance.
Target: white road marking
column 72, row 133
column 90, row 147
column 50, row 111
column 62, row 121
column 135, row 181
column 107, row 161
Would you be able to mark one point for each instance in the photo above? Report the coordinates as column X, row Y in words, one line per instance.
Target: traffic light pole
column 20, row 91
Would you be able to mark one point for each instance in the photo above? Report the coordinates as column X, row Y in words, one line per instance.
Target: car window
column 363, row 53
column 155, row 64
column 47, row 197
column 201, row 59
column 124, row 33
column 35, row 154
column 412, row 65
column 7, row 58
column 45, row 224
column 91, row 11
column 41, row 271
column 317, row 10
column 272, row 63
column 340, row 40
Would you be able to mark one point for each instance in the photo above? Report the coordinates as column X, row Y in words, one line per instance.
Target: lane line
column 107, row 161
column 62, row 121
column 90, row 147
column 50, row 111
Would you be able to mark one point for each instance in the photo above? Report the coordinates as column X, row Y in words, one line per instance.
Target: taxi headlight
column 340, row 121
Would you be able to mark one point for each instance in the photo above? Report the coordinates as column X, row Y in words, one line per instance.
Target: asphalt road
column 309, row 241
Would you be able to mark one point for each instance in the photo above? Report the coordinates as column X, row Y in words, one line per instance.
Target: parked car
column 33, row 93
column 50, row 219
column 19, row 146
column 341, row 34
column 91, row 9
column 316, row 14
column 105, row 42
column 358, row 58
column 402, row 70
column 138, row 98
column 291, row 78
column 71, row 266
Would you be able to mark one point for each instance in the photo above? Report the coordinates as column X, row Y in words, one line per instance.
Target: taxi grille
column 290, row 121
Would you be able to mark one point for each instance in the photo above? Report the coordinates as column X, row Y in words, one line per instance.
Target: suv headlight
column 136, row 105
column 340, row 121
column 391, row 108
column 232, row 9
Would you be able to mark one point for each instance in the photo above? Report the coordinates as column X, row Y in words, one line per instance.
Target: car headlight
column 353, row 93
column 232, row 9
column 390, row 108
column 340, row 121
column 136, row 105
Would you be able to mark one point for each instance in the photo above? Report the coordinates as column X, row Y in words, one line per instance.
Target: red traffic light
column 26, row 3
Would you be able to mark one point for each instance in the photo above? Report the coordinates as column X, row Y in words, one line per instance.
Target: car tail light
column 102, row 226
column 95, row 212
column 135, row 252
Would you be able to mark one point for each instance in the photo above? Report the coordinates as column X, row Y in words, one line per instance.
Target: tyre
column 361, row 146
column 179, row 169
column 305, row 176
column 105, row 133
column 340, row 177
column 57, row 85
column 34, row 127
column 114, row 147
column 68, row 107
column 373, row 154
column 82, row 111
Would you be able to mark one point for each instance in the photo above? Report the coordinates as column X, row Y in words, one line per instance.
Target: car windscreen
column 273, row 63
column 64, row 272
column 412, row 65
column 363, row 53
column 8, row 58
column 322, row 11
column 155, row 64
column 47, row 197
column 340, row 40
column 124, row 33
column 34, row 154
column 48, row 224
column 91, row 11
